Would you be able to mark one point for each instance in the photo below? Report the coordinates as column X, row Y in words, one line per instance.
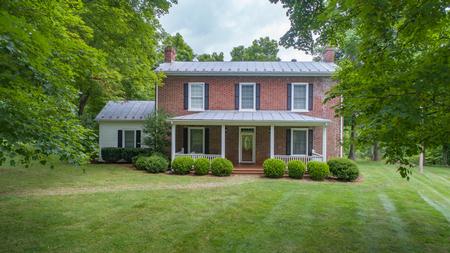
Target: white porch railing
column 303, row 158
column 195, row 156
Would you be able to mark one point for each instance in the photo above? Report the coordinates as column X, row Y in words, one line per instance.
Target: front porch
column 249, row 137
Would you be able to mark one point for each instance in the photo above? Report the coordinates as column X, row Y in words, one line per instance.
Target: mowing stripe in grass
column 436, row 205
column 426, row 186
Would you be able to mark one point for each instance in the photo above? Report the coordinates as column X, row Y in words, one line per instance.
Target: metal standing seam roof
column 230, row 117
column 239, row 68
column 126, row 111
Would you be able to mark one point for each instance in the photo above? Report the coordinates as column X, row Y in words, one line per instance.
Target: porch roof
column 249, row 118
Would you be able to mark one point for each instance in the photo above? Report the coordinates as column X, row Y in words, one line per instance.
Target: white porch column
column 173, row 136
column 324, row 143
column 272, row 141
column 222, row 141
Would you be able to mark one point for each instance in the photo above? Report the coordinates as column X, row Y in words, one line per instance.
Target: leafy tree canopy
column 184, row 51
column 157, row 130
column 398, row 74
column 210, row 57
column 262, row 49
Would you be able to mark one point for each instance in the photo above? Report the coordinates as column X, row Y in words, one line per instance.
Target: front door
column 246, row 145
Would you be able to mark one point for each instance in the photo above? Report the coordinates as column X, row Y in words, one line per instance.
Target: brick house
column 250, row 111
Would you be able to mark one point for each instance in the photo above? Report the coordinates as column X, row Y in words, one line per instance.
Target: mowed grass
column 382, row 213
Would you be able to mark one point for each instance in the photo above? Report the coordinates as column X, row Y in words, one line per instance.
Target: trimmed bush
column 156, row 164
column 135, row 158
column 274, row 168
column 318, row 171
column 201, row 166
column 221, row 167
column 343, row 169
column 296, row 169
column 182, row 165
column 116, row 154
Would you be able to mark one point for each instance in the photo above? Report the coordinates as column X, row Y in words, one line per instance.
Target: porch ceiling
column 249, row 118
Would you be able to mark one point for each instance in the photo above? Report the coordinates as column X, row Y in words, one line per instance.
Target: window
column 299, row 141
column 129, row 138
column 300, row 97
column 196, row 140
column 247, row 98
column 196, row 96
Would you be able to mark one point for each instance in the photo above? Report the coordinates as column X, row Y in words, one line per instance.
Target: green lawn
column 111, row 208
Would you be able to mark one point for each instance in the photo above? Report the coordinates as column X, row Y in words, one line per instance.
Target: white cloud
column 218, row 25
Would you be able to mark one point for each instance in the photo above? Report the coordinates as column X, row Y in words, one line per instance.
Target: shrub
column 135, row 158
column 111, row 154
column 129, row 153
column 201, row 166
column 221, row 167
column 182, row 165
column 152, row 164
column 343, row 168
column 274, row 168
column 296, row 169
column 318, row 170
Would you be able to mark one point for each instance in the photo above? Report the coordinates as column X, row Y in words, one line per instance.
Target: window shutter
column 185, row 140
column 289, row 96
column 206, row 96
column 119, row 138
column 236, row 96
column 206, row 140
column 310, row 96
column 258, row 95
column 138, row 138
column 288, row 141
column 186, row 95
column 310, row 141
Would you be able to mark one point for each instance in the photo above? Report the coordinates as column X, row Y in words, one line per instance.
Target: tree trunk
column 421, row 159
column 82, row 103
column 351, row 152
column 445, row 153
column 375, row 152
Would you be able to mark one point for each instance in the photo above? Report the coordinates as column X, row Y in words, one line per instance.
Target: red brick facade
column 273, row 96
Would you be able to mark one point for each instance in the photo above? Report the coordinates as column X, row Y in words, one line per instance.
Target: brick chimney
column 170, row 54
column 328, row 54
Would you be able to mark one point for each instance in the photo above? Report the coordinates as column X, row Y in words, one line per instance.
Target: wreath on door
column 247, row 143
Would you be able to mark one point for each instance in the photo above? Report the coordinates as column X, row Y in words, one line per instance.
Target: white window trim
column 254, row 145
column 189, row 97
column 254, row 97
column 135, row 137
column 306, row 100
column 189, row 138
column 292, row 141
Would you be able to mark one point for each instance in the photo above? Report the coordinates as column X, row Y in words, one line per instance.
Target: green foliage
column 296, row 169
column 182, row 165
column 210, row 57
column 201, row 166
column 343, row 169
column 318, row 171
column 152, row 164
column 127, row 154
column 262, row 49
column 221, row 167
column 397, row 73
column 274, row 168
column 184, row 51
column 157, row 130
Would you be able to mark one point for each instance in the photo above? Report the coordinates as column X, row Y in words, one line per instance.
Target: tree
column 397, row 81
column 210, row 57
column 184, row 51
column 157, row 130
column 262, row 49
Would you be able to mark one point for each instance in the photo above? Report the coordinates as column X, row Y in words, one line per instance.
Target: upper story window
column 299, row 141
column 247, row 97
column 196, row 96
column 300, row 97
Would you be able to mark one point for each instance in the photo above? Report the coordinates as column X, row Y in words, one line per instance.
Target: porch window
column 129, row 138
column 248, row 101
column 300, row 97
column 196, row 96
column 299, row 139
column 196, row 140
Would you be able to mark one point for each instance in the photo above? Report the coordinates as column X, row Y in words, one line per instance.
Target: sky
column 219, row 25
